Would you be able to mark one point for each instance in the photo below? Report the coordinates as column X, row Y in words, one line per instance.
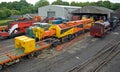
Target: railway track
column 61, row 61
column 66, row 59
column 100, row 59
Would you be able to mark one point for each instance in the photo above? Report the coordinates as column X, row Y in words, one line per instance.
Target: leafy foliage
column 100, row 3
column 41, row 3
column 60, row 2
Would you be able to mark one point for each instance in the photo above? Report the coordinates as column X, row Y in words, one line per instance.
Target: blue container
column 56, row 21
column 58, row 18
column 65, row 20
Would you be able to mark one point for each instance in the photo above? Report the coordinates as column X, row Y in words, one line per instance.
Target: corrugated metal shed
column 56, row 11
column 94, row 9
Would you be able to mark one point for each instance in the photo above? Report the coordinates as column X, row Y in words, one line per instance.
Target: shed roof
column 66, row 6
column 93, row 9
column 102, row 8
column 117, row 13
column 62, row 6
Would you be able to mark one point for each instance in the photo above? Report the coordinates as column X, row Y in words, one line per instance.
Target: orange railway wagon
column 11, row 55
column 3, row 28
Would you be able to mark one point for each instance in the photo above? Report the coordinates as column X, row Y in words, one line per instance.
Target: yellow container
column 18, row 41
column 29, row 45
column 25, row 42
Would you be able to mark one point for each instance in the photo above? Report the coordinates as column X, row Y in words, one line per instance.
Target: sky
column 34, row 1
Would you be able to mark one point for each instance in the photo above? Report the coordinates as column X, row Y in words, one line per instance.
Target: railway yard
column 62, row 39
column 83, row 54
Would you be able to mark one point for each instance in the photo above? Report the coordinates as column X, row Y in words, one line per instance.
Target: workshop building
column 56, row 11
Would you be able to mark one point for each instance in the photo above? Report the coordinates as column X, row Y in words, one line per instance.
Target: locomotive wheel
column 70, row 37
column 56, row 43
column 53, row 41
column 79, row 33
column 66, row 39
column 75, row 35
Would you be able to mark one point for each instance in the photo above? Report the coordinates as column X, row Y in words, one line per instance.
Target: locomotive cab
column 99, row 28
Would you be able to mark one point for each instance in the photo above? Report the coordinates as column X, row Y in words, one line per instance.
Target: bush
column 2, row 14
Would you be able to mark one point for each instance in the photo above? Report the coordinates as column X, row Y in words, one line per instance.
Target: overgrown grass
column 4, row 22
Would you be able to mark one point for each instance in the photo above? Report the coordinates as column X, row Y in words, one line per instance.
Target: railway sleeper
column 12, row 62
column 9, row 63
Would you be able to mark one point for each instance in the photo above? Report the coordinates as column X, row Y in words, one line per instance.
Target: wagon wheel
column 1, row 67
column 36, row 54
column 31, row 55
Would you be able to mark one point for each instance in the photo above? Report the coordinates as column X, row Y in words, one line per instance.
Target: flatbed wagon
column 12, row 54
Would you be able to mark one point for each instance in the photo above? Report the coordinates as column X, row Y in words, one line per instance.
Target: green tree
column 25, row 10
column 99, row 3
column 3, row 4
column 115, row 6
column 15, row 12
column 107, row 4
column 33, row 9
column 15, row 5
column 8, row 12
column 73, row 3
column 2, row 14
column 24, row 3
column 65, row 3
column 57, row 2
column 41, row 3
column 60, row 2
